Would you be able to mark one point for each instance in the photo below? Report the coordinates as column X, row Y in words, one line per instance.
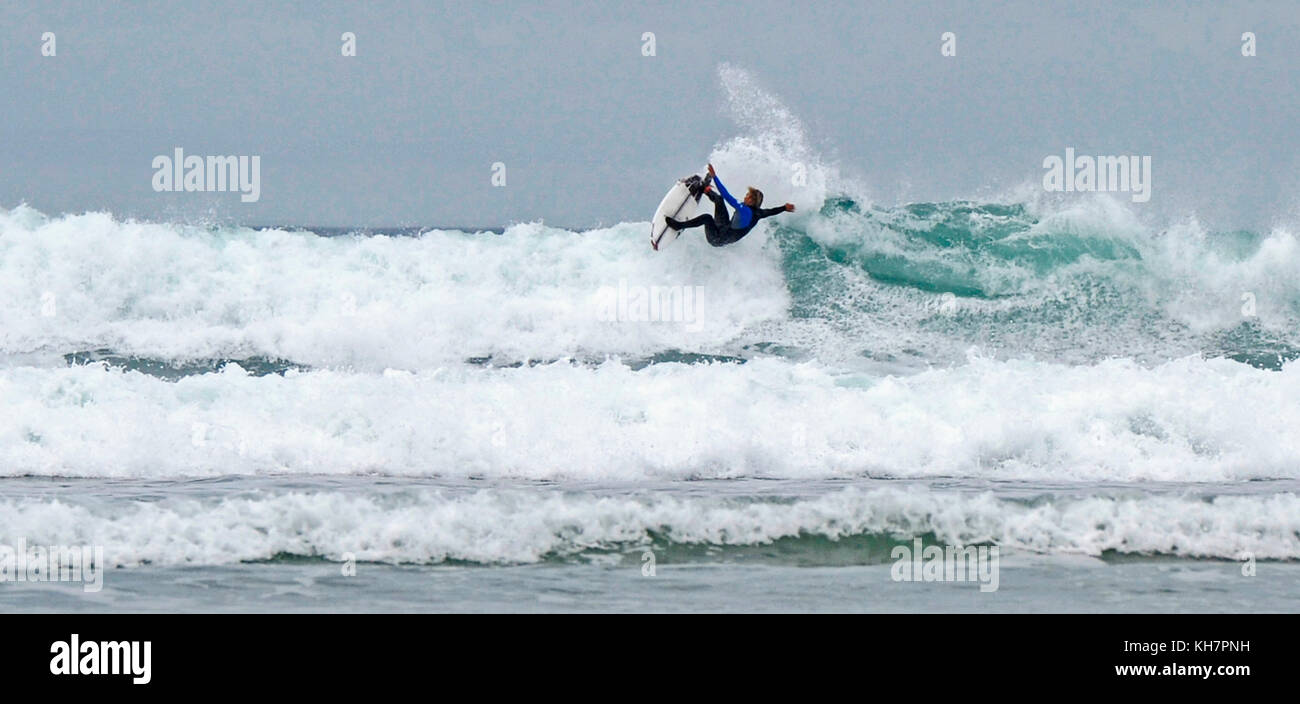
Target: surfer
column 719, row 229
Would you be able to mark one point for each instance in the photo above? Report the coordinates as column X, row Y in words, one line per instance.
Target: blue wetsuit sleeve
column 723, row 189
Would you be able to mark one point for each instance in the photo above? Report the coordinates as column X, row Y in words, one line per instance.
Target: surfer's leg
column 727, row 235
column 696, row 221
column 720, row 236
column 720, row 212
column 717, row 227
column 716, row 236
column 721, row 220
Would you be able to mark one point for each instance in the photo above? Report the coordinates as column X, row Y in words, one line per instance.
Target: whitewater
column 1062, row 378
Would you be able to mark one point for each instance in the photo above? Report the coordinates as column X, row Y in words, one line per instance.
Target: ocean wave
column 179, row 292
column 1187, row 420
column 850, row 285
column 842, row 280
column 849, row 526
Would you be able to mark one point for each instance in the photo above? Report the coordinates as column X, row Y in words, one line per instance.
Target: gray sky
column 592, row 132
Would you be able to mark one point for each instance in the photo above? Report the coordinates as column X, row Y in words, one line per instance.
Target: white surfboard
column 679, row 205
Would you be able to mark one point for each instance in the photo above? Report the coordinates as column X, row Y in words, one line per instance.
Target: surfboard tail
column 696, row 185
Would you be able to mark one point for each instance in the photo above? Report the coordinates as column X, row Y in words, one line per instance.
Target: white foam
column 505, row 526
column 168, row 291
column 1187, row 420
column 772, row 150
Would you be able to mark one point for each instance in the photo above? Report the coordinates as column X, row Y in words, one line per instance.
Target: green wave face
column 930, row 280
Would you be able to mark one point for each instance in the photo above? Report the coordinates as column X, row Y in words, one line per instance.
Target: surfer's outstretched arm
column 769, row 212
column 723, row 188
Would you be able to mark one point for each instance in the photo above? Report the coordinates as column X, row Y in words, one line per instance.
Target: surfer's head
column 754, row 197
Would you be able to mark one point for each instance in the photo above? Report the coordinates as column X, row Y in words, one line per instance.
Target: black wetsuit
column 721, row 229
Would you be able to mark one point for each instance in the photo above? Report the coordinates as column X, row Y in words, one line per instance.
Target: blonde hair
column 758, row 196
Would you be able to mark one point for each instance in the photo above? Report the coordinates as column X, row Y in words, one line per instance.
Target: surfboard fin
column 695, row 185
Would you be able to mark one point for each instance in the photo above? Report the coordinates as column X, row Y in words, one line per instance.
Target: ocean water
column 288, row 418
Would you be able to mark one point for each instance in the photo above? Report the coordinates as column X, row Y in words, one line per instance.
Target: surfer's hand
column 711, row 170
column 789, row 207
